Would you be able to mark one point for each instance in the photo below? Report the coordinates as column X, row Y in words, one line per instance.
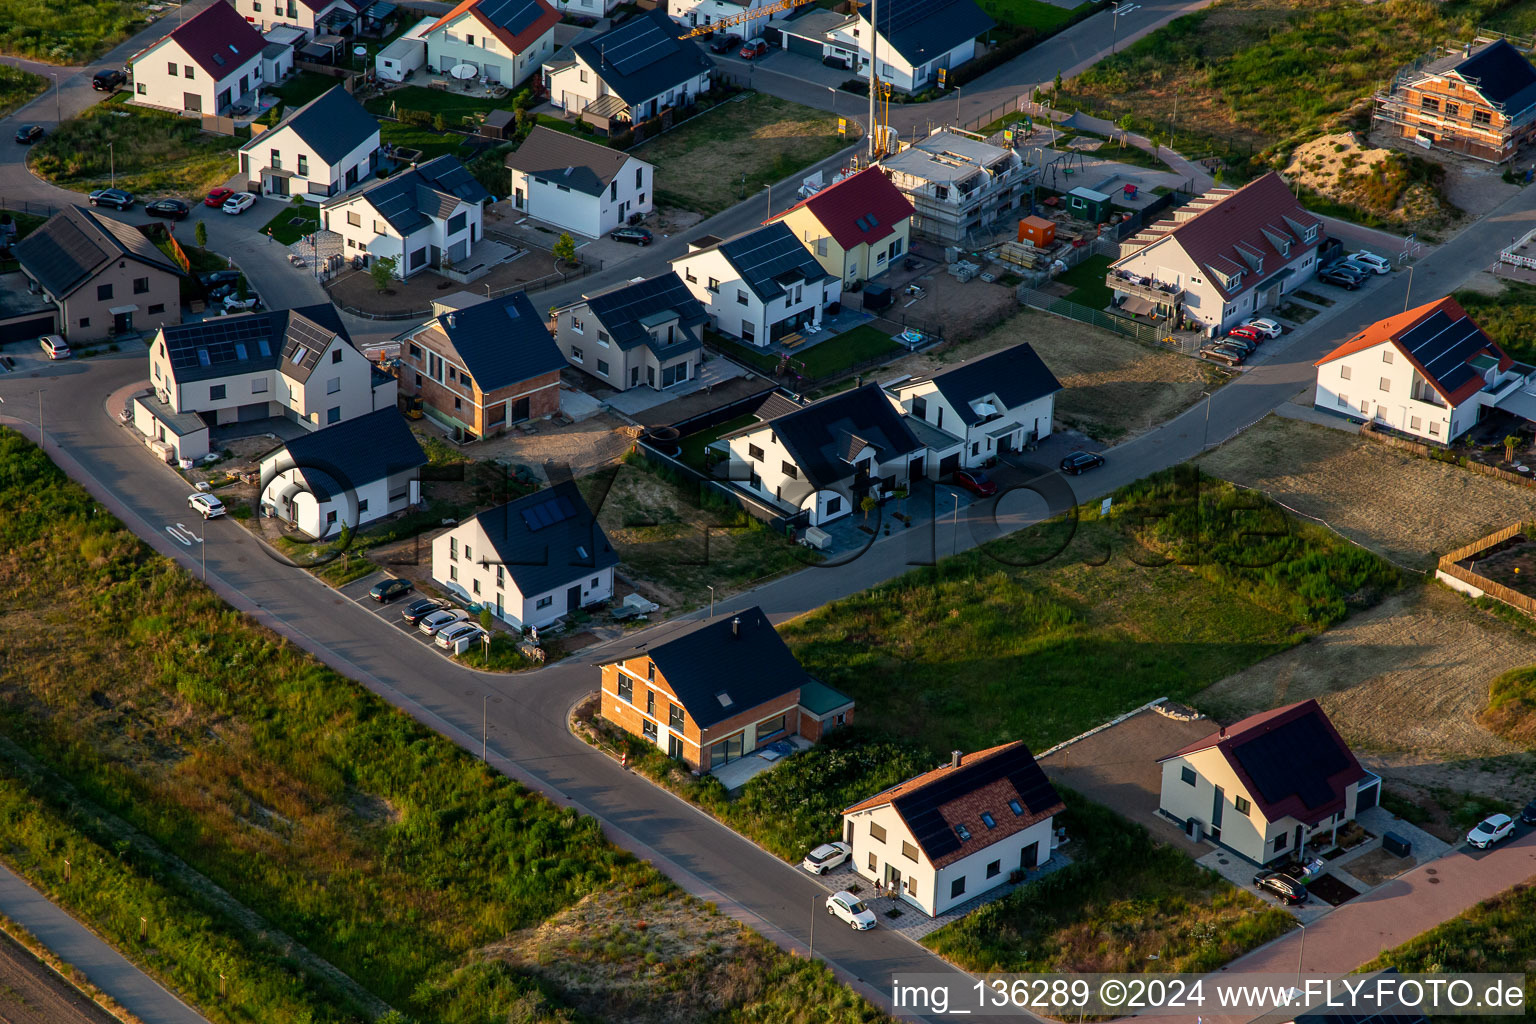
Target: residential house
column 1479, row 101
column 206, row 65
column 718, row 691
column 312, row 17
column 321, row 149
column 989, row 406
column 1221, row 258
column 531, row 561
column 746, row 18
column 581, row 9
column 951, row 834
column 856, row 228
column 277, row 55
column 345, row 476
column 917, row 40
column 105, row 277
column 484, row 367
column 296, row 363
column 1429, row 372
column 425, row 217
column 645, row 333
column 631, row 73
column 1266, row 786
column 759, row 285
column 406, row 55
column 505, row 41
column 826, row 457
column 578, row 185
column 957, row 183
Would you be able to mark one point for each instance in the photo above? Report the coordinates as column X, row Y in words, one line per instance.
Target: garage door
column 26, row 330
column 254, row 411
column 802, row 45
column 948, row 464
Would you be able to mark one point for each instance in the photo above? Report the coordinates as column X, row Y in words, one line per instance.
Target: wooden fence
column 1370, row 433
column 1448, row 568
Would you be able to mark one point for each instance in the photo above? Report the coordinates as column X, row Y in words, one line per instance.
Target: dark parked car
column 725, row 43
column 214, row 278
column 173, row 209
column 975, row 481
column 29, row 133
column 1229, row 354
column 418, row 610
column 108, row 80
column 390, row 589
column 1237, row 343
column 112, row 197
column 1346, row 279
column 1283, row 887
column 635, row 236
column 1529, row 814
column 1081, row 462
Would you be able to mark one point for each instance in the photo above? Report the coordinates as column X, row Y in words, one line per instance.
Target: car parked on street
column 1227, row 354
column 1282, row 886
column 29, row 133
column 1265, row 326
column 826, row 857
column 1490, row 830
column 430, row 624
column 1079, row 463
column 216, row 278
column 1528, row 815
column 975, row 481
column 112, row 197
column 108, row 80
column 450, row 635
column 172, row 209
column 850, row 908
column 388, row 590
column 1370, row 261
column 238, row 203
column 634, row 236
column 205, row 505
column 418, row 610
column 54, row 347
column 217, row 196
column 1247, row 346
column 1247, row 334
column 753, row 48
column 1341, row 276
column 725, row 43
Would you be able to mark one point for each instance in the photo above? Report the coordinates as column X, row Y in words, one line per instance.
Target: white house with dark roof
column 531, row 561
column 917, row 38
column 989, row 406
column 313, row 17
column 1266, row 786
column 948, row 835
column 643, row 333
column 321, row 149
column 631, row 73
column 697, row 13
column 825, row 458
column 345, row 476
column 420, row 218
column 760, row 285
column 578, row 185
column 505, row 41
column 1220, row 258
column 206, row 65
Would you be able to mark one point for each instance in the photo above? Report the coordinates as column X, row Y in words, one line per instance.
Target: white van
column 55, row 346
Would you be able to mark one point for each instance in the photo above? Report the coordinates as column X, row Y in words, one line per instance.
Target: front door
column 1216, row 802
column 892, row 879
column 519, row 409
column 1029, row 856
column 1297, row 844
column 674, row 745
column 517, row 199
column 634, row 376
column 280, row 186
column 650, row 375
column 122, row 323
column 573, row 599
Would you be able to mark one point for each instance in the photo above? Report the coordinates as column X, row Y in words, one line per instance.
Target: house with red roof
column 1219, row 259
column 1268, row 785
column 856, row 227
column 946, row 836
column 208, row 64
column 1429, row 372
column 505, row 41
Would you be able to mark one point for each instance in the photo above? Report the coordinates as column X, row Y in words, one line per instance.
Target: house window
column 187, row 71
column 772, row 727
column 1343, row 401
column 626, row 689
column 790, row 470
column 336, row 356
column 957, row 887
column 415, row 352
column 613, row 189
column 834, row 506
column 876, row 832
column 994, row 869
column 501, row 578
column 963, row 832
column 85, row 321
column 675, row 718
column 1015, row 807
column 170, row 69
column 909, row 851
column 648, row 730
column 333, row 385
column 544, row 602
column 1242, row 804
column 1386, row 384
column 355, row 219
column 456, row 222
column 741, row 297
column 577, row 325
column 1386, row 356
column 1482, row 117
column 141, row 89
column 576, row 355
column 821, row 246
column 602, row 367
column 650, row 703
column 362, row 506
column 1345, row 373
column 583, row 74
column 754, row 452
column 103, row 291
column 476, row 586
column 872, row 867
column 140, row 285
column 639, row 177
column 988, row 820
column 748, row 331
column 303, row 166
column 453, row 549
column 1187, row 775
column 258, row 385
column 1452, row 109
column 713, row 285
column 216, row 392
column 650, row 671
column 1281, row 841
column 333, row 414
column 468, row 554
column 276, row 160
column 1434, row 428
column 453, row 572
column 1415, row 423
column 1429, row 103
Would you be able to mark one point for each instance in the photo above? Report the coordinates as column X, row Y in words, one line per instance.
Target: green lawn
column 154, row 153
column 1087, row 281
column 299, row 89
column 452, row 105
column 847, row 350
column 694, row 444
column 285, row 231
column 431, row 143
column 1029, row 13
column 70, row 33
column 1508, row 317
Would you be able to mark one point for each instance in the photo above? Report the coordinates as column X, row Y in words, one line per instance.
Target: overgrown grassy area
column 153, row 152
column 1087, row 281
column 17, row 87
column 66, row 33
column 324, row 814
column 1123, row 899
column 1512, row 706
column 1508, row 317
column 1049, row 631
column 731, row 152
column 1029, row 13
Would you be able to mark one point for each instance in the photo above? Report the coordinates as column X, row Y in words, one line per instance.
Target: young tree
column 439, row 123
column 867, row 505
column 200, row 234
column 1510, row 443
column 486, row 618
column 382, row 271
column 565, row 248
column 1124, row 124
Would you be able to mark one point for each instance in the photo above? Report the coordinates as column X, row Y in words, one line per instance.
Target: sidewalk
column 105, row 967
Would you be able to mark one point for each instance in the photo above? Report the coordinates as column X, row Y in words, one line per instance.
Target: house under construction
column 1479, row 101
column 958, row 183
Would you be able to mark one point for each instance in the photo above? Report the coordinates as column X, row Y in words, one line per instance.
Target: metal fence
column 1148, row 334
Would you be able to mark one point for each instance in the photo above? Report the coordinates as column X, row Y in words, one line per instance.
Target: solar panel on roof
column 513, row 15
column 548, row 512
column 640, row 48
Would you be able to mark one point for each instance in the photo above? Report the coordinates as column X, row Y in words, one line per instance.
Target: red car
column 754, row 47
column 217, row 196
column 1248, row 334
column 975, row 481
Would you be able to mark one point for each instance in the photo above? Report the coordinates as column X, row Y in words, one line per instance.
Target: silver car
column 437, row 620
column 449, row 636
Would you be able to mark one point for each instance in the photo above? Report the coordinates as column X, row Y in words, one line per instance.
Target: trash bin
column 1396, row 844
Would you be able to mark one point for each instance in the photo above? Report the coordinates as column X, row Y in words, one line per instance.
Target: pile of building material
column 964, row 270
column 1022, row 254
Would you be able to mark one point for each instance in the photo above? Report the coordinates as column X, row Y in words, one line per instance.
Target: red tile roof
column 510, row 13
column 1440, row 355
column 1240, row 221
column 218, row 40
column 862, row 208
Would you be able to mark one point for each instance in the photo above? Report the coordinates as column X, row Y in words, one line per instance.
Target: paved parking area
column 389, row 612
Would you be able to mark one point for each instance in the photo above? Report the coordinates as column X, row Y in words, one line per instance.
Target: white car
column 1370, row 261
column 826, row 857
column 1268, row 328
column 437, row 620
column 54, row 346
column 235, row 305
column 205, row 505
column 239, row 203
column 1490, row 830
column 851, row 909
column 448, row 636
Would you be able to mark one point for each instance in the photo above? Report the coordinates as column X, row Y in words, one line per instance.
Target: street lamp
column 954, row 546
column 202, row 543
column 1205, row 437
column 485, row 711
column 833, row 90
column 58, row 109
column 812, row 954
column 769, row 189
column 957, row 106
column 1409, row 292
column 711, row 601
column 112, row 156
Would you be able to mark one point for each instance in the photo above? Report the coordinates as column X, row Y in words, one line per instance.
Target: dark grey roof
column 643, row 57
column 566, row 160
column 332, row 124
column 822, row 435
column 621, row 311
column 356, row 452
column 182, row 424
column 1015, row 375
column 769, row 258
column 290, row 339
column 74, row 244
column 1502, row 74
column 921, row 30
column 547, row 539
column 923, row 808
column 408, row 199
column 725, row 666
column 502, row 341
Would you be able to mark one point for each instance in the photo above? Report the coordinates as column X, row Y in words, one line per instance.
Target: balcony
column 1143, row 287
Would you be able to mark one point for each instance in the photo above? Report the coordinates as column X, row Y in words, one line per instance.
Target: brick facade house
column 1480, row 101
column 718, row 692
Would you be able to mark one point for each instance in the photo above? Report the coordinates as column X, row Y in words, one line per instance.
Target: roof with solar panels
column 290, row 340
column 546, row 539
column 75, row 244
column 921, row 30
column 644, row 57
column 517, row 24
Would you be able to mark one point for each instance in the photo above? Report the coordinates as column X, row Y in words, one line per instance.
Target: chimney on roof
column 1223, row 733
column 954, row 758
column 450, row 319
column 736, row 627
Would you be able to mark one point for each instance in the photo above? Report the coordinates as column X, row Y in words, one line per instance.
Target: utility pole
column 711, row 602
column 812, row 955
column 202, row 542
column 485, row 711
column 769, row 189
column 58, row 109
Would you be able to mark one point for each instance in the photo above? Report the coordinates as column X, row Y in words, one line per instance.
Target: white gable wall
column 154, row 85
column 464, row 562
column 465, row 40
column 552, row 202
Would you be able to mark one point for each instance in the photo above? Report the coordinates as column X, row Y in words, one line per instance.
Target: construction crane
column 753, row 14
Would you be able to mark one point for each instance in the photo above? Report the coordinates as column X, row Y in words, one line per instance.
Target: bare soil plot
column 32, row 993
column 1512, row 563
column 356, row 289
column 1406, row 508
column 1377, row 866
column 585, row 446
